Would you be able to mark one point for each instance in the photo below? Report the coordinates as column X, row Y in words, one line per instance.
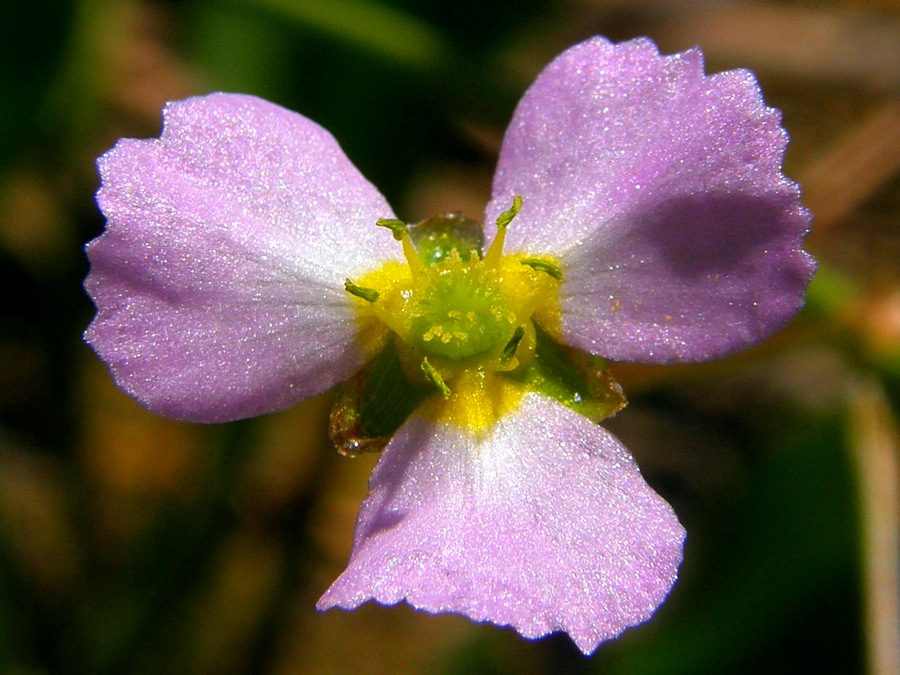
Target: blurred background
column 132, row 544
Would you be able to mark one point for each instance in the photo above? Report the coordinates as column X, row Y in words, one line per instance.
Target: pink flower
column 241, row 272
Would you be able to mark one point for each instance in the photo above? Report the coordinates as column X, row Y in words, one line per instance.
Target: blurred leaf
column 242, row 51
column 372, row 26
column 32, row 37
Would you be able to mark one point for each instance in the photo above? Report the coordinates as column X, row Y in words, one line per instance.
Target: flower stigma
column 460, row 318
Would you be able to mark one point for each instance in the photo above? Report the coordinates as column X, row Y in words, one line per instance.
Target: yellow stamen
column 495, row 252
column 401, row 233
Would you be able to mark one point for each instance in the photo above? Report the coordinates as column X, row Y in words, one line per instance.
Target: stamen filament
column 433, row 376
column 367, row 294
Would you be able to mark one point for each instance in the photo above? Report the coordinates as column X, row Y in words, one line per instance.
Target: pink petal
column 545, row 524
column 660, row 191
column 219, row 278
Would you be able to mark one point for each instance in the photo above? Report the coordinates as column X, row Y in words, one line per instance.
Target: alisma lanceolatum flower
column 639, row 213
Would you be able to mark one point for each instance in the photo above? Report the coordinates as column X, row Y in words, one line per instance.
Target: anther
column 433, row 376
column 367, row 294
column 506, row 217
column 509, row 351
column 545, row 266
column 397, row 227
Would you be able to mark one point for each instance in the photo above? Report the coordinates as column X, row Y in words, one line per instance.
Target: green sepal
column 436, row 237
column 370, row 407
column 574, row 378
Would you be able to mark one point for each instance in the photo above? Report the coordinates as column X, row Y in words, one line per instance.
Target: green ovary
column 459, row 316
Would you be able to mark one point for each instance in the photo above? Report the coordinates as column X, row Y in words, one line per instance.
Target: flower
column 639, row 213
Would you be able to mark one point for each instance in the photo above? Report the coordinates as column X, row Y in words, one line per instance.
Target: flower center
column 460, row 311
column 460, row 315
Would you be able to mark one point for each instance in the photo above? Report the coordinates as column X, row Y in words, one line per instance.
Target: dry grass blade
column 875, row 451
